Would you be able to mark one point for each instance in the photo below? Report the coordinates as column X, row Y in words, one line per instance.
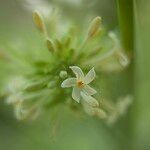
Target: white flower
column 80, row 86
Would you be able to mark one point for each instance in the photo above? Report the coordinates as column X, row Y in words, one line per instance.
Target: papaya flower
column 81, row 89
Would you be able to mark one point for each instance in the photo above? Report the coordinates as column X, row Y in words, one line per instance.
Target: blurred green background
column 74, row 131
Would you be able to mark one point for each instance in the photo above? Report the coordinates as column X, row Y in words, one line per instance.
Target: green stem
column 126, row 25
column 125, row 14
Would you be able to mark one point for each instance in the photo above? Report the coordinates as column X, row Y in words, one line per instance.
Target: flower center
column 80, row 84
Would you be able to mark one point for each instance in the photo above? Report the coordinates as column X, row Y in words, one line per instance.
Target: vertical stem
column 125, row 15
column 142, row 71
column 126, row 26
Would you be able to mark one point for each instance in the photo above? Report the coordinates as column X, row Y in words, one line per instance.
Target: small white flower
column 80, row 86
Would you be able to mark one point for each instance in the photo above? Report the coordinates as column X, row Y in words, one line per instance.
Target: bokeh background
column 70, row 131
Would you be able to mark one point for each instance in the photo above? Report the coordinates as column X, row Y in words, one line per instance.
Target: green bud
column 50, row 45
column 38, row 20
column 63, row 74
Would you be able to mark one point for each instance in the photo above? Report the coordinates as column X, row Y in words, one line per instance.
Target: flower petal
column 90, row 100
column 76, row 94
column 68, row 82
column 77, row 71
column 90, row 91
column 90, row 76
column 94, row 111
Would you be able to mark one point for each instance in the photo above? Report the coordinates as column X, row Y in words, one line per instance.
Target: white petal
column 90, row 91
column 94, row 111
column 90, row 100
column 90, row 76
column 77, row 71
column 68, row 82
column 76, row 94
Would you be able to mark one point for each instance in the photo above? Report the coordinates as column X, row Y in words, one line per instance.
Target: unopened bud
column 38, row 20
column 94, row 27
column 50, row 45
column 63, row 74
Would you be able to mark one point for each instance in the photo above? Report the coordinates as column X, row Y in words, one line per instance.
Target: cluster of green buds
column 41, row 86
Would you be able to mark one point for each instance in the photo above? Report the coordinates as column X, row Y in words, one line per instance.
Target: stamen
column 80, row 84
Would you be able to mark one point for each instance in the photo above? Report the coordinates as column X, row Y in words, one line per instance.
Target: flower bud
column 38, row 20
column 94, row 27
column 50, row 45
column 63, row 74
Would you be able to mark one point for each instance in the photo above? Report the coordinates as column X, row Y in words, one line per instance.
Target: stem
column 125, row 15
